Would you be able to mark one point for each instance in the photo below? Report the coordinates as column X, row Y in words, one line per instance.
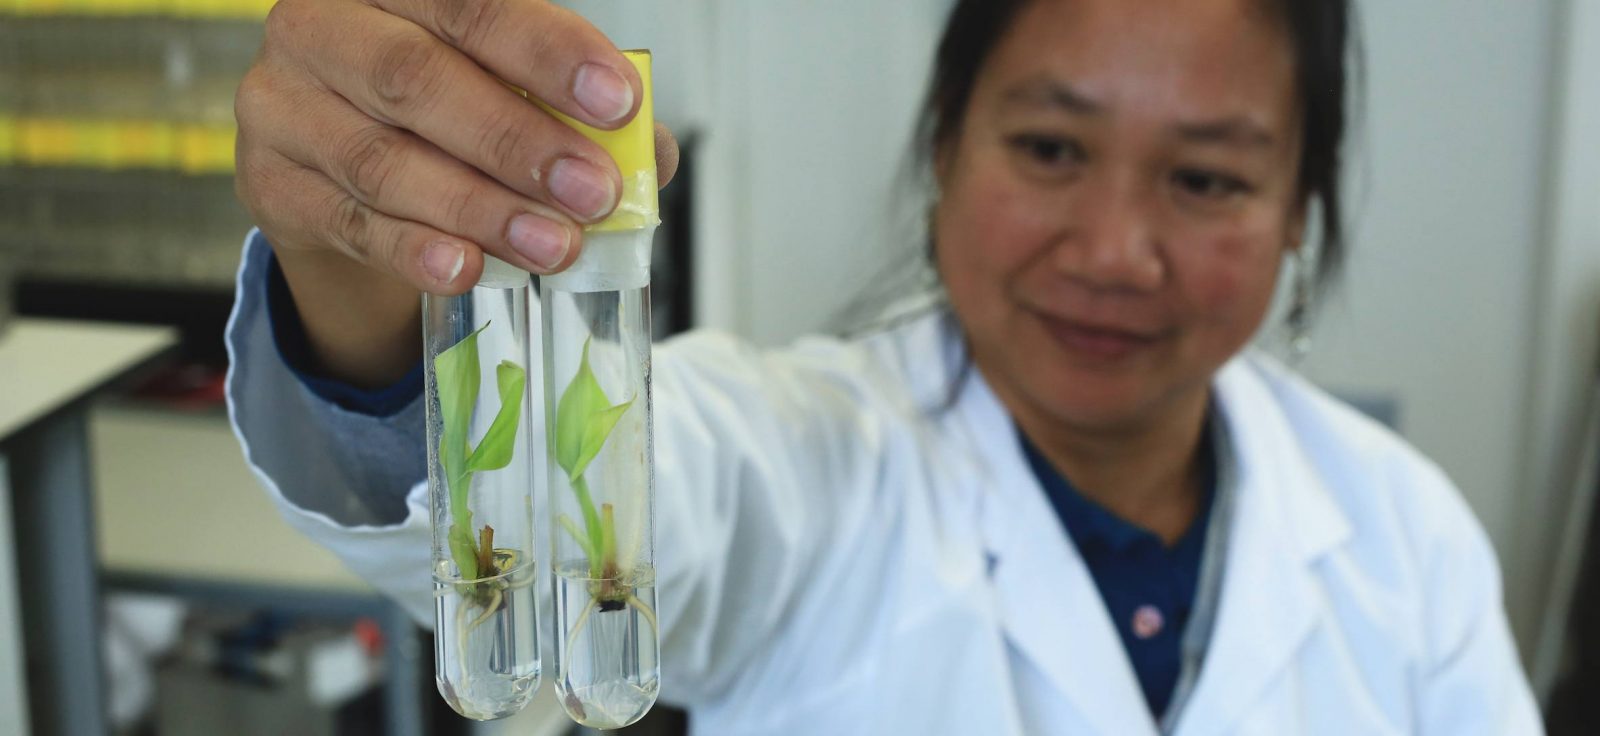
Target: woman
column 1067, row 502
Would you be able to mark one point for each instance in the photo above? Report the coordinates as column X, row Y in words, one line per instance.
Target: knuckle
column 538, row 45
column 407, row 71
column 500, row 137
column 463, row 22
column 250, row 171
column 282, row 19
column 243, row 191
column 264, row 184
column 351, row 221
column 250, row 97
column 370, row 161
column 459, row 210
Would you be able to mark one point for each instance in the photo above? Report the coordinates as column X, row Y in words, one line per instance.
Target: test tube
column 599, row 445
column 480, row 482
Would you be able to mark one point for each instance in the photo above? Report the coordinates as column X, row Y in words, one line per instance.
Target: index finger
column 550, row 51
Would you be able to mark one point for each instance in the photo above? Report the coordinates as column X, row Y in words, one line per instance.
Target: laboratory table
column 252, row 562
column 51, row 681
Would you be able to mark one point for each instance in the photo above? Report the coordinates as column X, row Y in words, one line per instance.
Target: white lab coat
column 834, row 557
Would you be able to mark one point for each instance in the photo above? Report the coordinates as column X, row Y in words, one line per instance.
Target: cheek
column 1228, row 281
column 988, row 228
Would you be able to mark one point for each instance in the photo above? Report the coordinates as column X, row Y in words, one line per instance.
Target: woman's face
column 1117, row 200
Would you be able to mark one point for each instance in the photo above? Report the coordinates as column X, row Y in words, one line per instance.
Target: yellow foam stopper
column 633, row 146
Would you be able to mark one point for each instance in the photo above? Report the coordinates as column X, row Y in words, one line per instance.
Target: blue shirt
column 1148, row 588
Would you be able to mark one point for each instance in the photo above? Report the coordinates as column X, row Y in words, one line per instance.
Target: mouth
column 1102, row 343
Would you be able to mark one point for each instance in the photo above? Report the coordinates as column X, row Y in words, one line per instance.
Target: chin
column 1092, row 407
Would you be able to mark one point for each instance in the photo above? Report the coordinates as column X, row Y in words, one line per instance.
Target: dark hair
column 1318, row 33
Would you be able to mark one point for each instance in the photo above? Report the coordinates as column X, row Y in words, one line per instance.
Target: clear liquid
column 486, row 642
column 607, row 650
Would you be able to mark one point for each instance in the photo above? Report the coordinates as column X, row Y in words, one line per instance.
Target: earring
column 1299, row 320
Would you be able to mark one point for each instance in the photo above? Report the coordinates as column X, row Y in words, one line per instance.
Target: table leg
column 13, row 693
column 404, row 685
column 53, row 499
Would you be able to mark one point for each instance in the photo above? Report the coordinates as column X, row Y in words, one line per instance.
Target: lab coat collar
column 1283, row 521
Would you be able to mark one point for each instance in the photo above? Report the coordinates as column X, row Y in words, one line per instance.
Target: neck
column 1147, row 474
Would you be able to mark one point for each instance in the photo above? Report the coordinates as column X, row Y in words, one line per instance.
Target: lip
column 1099, row 342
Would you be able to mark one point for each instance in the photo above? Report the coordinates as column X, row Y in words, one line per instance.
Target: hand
column 381, row 154
column 380, row 130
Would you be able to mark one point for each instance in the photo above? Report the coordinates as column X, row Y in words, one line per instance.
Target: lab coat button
column 1147, row 621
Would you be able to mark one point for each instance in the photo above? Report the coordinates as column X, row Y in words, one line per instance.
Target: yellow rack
column 117, row 144
column 188, row 9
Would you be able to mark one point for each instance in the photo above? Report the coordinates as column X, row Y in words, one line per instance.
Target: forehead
column 1167, row 58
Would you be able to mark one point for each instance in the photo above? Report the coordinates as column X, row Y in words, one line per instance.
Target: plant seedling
column 457, row 373
column 585, row 418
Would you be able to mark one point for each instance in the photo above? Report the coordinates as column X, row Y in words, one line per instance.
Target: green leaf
column 456, row 372
column 600, row 425
column 463, row 550
column 582, row 397
column 584, row 419
column 499, row 442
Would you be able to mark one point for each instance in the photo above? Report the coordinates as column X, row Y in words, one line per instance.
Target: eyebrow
column 1237, row 131
column 1052, row 93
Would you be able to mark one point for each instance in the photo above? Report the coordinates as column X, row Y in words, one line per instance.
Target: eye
column 1209, row 185
column 1046, row 151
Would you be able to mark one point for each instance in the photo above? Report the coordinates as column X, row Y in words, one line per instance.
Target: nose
column 1110, row 240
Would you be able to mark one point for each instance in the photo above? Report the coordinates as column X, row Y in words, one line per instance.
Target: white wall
column 831, row 123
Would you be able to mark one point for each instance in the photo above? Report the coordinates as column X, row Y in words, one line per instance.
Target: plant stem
column 486, row 566
column 591, row 523
column 463, row 549
column 608, row 545
column 577, row 536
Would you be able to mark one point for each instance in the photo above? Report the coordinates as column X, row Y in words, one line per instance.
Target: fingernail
column 539, row 240
column 443, row 261
column 604, row 93
column 582, row 187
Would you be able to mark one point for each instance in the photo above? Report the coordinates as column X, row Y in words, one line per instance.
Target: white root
column 572, row 636
column 644, row 610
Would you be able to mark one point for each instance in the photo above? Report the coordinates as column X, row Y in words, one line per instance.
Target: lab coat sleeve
column 1473, row 682
column 352, row 482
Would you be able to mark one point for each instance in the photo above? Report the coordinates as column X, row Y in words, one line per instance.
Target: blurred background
column 1469, row 319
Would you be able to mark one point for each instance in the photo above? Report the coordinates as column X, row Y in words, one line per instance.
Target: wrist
column 362, row 327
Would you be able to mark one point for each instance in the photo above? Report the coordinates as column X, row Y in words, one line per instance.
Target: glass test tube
column 480, row 482
column 599, row 446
